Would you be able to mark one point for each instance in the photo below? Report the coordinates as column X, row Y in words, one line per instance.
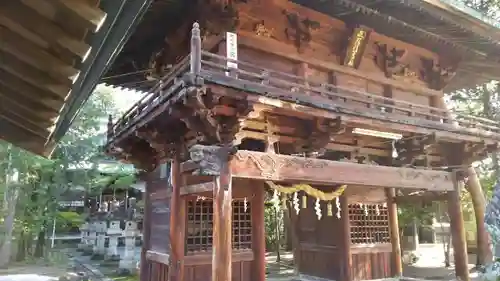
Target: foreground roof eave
column 122, row 18
column 471, row 16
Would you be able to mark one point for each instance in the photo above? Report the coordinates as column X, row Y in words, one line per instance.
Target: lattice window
column 199, row 226
column 369, row 225
column 242, row 226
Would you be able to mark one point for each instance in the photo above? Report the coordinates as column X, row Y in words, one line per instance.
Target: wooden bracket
column 209, row 159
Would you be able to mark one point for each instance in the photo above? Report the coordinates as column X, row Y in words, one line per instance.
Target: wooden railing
column 214, row 68
column 302, row 89
column 160, row 93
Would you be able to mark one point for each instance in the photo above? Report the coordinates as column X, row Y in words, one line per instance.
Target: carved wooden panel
column 259, row 165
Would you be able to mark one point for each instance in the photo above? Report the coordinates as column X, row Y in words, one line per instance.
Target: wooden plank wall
column 319, row 242
column 199, row 267
column 372, row 262
column 159, row 199
column 158, row 271
column 158, row 192
column 263, row 40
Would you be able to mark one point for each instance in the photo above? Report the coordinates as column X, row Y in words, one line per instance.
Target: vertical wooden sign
column 232, row 49
column 356, row 47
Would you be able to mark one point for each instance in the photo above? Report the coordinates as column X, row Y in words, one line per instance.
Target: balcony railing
column 259, row 80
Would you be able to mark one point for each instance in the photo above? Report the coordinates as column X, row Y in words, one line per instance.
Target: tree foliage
column 41, row 183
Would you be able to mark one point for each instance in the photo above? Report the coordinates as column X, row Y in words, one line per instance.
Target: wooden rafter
column 44, row 118
column 35, row 24
column 16, row 134
column 33, row 76
column 13, row 86
column 26, row 51
column 42, row 48
column 90, row 16
column 29, row 130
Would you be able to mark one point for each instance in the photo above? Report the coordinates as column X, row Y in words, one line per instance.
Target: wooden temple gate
column 342, row 145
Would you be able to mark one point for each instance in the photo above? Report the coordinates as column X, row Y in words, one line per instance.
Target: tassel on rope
column 394, row 150
column 276, row 199
column 317, row 208
column 337, row 204
column 304, row 201
column 296, row 203
column 366, row 210
column 377, row 210
column 245, row 204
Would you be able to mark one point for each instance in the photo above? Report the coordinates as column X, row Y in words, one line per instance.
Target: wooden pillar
column 458, row 231
column 176, row 239
column 397, row 266
column 258, row 233
column 346, row 238
column 222, row 228
column 146, row 234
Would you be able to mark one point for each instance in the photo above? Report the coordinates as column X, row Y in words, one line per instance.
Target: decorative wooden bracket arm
column 210, row 159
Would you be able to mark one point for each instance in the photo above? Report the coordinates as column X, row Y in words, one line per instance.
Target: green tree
column 42, row 182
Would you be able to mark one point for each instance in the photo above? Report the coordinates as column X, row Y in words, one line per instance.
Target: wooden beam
column 330, row 146
column 198, row 188
column 28, row 52
column 397, row 266
column 457, row 230
column 263, row 166
column 156, row 257
column 354, row 117
column 36, row 25
column 92, row 17
column 415, row 199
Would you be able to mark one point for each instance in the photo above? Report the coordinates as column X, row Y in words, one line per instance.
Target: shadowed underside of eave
column 52, row 54
column 42, row 49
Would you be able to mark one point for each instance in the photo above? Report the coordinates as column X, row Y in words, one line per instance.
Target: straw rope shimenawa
column 309, row 190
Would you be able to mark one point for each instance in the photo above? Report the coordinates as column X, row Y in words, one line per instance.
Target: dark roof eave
column 122, row 18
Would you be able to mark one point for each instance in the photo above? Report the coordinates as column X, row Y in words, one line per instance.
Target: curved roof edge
column 123, row 17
